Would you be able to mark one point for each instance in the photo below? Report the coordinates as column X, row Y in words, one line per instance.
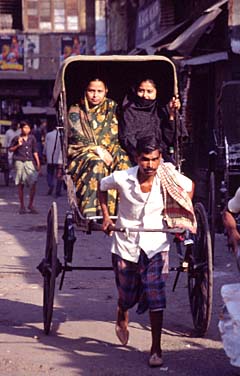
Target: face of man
column 95, row 93
column 148, row 163
column 26, row 130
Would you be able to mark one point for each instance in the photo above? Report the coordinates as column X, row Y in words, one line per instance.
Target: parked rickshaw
column 194, row 252
column 4, row 165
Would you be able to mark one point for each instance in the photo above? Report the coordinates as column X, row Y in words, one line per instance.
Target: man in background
column 12, row 132
column 53, row 152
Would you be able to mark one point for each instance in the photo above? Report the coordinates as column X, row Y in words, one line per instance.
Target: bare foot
column 121, row 328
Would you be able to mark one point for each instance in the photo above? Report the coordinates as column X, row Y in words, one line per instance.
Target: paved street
column 82, row 340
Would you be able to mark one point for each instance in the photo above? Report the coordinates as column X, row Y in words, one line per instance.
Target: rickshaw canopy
column 119, row 73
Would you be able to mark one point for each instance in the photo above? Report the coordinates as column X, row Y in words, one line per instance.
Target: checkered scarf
column 178, row 206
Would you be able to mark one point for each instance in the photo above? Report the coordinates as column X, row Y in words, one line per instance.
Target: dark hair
column 98, row 79
column 25, row 122
column 147, row 80
column 147, row 145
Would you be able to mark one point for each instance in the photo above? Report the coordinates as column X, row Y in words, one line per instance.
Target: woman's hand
column 104, row 155
column 174, row 104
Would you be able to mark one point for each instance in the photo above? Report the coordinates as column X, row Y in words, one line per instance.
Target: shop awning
column 185, row 42
column 150, row 45
column 205, row 59
column 35, row 110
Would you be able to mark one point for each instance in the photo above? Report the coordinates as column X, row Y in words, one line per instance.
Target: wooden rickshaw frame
column 197, row 259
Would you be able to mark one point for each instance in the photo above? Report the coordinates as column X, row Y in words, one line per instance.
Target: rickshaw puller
column 140, row 261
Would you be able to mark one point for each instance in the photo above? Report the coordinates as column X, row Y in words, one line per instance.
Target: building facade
column 35, row 37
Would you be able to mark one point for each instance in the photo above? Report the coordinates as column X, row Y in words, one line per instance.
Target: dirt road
column 82, row 340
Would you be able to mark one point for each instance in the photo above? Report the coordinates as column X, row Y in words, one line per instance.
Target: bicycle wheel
column 200, row 273
column 212, row 209
column 51, row 260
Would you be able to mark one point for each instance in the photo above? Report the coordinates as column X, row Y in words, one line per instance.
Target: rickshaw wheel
column 200, row 273
column 51, row 259
column 212, row 209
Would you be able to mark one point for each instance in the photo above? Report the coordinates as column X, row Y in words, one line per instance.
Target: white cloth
column 9, row 136
column 234, row 203
column 53, row 153
column 138, row 209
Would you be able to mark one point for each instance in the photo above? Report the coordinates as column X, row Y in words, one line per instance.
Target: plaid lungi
column 142, row 282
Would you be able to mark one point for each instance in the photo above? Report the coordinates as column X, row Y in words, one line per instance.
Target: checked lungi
column 142, row 282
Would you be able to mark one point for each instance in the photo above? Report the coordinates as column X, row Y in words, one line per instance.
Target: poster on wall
column 12, row 53
column 72, row 46
column 32, row 50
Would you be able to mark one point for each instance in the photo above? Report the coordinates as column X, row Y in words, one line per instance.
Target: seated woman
column 93, row 147
column 142, row 115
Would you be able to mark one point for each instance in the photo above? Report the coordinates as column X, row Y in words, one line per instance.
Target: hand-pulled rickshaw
column 194, row 251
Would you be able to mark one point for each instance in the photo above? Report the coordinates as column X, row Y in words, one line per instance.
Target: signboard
column 11, row 53
column 72, row 46
column 148, row 21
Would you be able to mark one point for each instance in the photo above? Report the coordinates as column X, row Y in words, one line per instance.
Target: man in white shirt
column 231, row 223
column 53, row 152
column 140, row 260
column 12, row 132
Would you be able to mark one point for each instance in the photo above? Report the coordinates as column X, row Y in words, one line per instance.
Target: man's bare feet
column 121, row 328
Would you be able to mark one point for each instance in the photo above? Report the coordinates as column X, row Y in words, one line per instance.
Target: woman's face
column 95, row 93
column 147, row 90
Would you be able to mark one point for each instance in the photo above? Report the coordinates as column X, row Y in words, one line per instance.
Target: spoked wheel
column 212, row 209
column 51, row 261
column 200, row 273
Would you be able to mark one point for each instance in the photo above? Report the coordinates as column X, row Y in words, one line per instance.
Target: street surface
column 82, row 340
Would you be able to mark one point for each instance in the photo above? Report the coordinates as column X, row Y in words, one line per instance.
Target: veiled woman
column 93, row 146
column 142, row 115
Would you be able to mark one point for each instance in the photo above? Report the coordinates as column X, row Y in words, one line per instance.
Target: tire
column 212, row 210
column 200, row 273
column 51, row 259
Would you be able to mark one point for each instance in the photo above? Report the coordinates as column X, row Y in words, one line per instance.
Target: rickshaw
column 194, row 252
column 224, row 168
column 4, row 165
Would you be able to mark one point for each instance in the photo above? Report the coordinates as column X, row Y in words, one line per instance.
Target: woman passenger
column 141, row 115
column 93, row 146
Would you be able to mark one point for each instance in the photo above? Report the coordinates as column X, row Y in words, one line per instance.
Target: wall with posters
column 72, row 46
column 11, row 52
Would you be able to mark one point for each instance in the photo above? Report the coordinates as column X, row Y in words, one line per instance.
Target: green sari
column 88, row 129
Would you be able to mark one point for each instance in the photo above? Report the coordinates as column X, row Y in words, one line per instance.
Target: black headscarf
column 137, row 118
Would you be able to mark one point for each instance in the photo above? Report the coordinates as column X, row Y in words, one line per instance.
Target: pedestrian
column 53, row 152
column 27, row 165
column 231, row 221
column 12, row 132
column 151, row 194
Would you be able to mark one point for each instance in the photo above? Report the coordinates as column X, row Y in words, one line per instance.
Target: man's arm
column 36, row 157
column 102, row 196
column 231, row 228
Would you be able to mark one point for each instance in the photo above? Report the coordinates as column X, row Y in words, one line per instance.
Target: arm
column 105, row 184
column 231, row 228
column 16, row 143
column 36, row 157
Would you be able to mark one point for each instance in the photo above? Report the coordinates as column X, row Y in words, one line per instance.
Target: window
column 56, row 15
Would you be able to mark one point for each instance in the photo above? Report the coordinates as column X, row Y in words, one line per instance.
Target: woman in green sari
column 93, row 147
